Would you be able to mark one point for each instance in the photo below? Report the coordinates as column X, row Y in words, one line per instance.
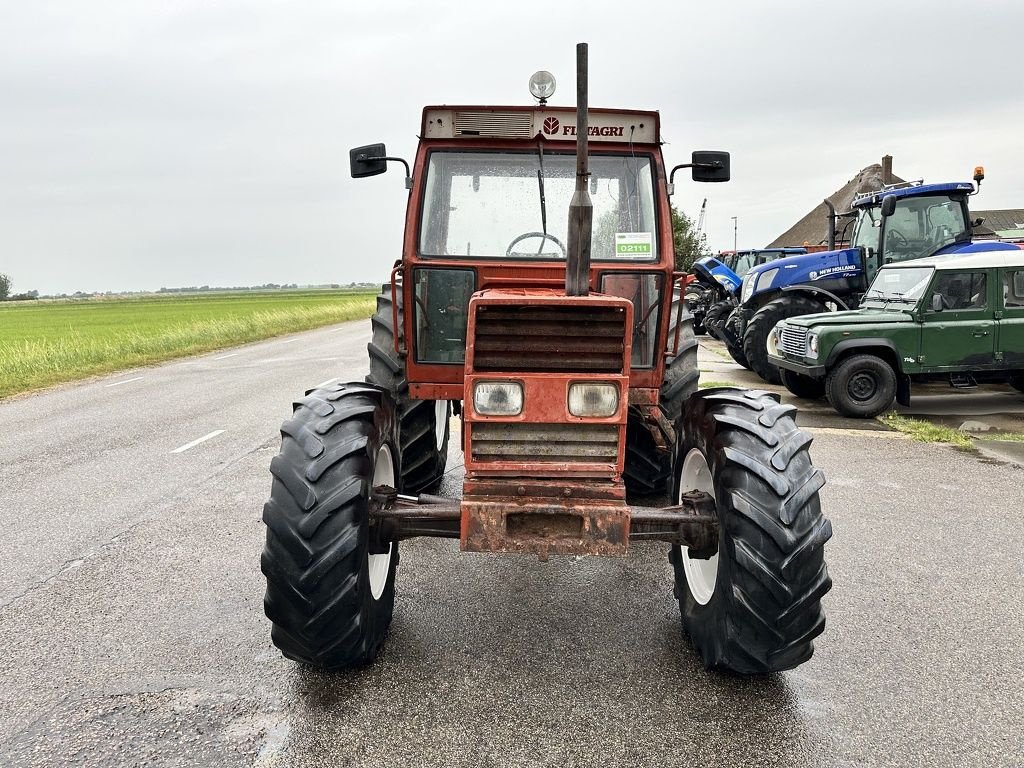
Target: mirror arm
column 408, row 172
column 672, row 174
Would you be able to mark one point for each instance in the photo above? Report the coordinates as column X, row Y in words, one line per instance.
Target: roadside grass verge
column 926, row 432
column 52, row 343
column 712, row 383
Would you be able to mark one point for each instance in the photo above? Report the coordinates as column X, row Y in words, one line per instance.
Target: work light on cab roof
column 542, row 86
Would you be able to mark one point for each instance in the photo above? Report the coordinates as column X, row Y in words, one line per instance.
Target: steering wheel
column 542, row 235
column 898, row 238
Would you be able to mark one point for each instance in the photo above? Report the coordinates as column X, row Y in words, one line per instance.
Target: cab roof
column 917, row 190
column 549, row 123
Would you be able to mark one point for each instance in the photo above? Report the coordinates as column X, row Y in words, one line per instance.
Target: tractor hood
column 803, row 268
column 980, row 246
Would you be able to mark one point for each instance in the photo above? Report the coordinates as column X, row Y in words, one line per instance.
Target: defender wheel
column 330, row 582
column 755, row 606
column 861, row 386
column 803, row 386
column 647, row 469
column 424, row 424
column 755, row 338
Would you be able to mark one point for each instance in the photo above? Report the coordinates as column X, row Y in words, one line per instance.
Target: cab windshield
column 922, row 225
column 903, row 285
column 867, row 229
column 501, row 204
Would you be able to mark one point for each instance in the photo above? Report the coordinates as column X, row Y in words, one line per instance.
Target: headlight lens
column 748, row 289
column 812, row 345
column 765, row 280
column 773, row 341
column 498, row 398
column 593, row 400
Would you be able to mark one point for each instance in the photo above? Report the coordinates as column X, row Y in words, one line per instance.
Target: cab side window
column 1013, row 289
column 962, row 290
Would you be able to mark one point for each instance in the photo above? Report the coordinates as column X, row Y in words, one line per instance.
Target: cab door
column 1010, row 320
column 962, row 334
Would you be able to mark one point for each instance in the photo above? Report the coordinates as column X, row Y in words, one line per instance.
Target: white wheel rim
column 440, row 421
column 379, row 566
column 701, row 575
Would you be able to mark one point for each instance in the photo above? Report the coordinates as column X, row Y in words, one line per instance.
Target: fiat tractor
column 532, row 300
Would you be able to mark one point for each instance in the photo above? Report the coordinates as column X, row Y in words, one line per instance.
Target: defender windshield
column 904, row 285
column 494, row 205
column 922, row 225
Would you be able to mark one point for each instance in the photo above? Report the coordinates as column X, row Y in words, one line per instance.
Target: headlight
column 498, row 398
column 773, row 341
column 595, row 400
column 766, row 277
column 812, row 345
column 748, row 288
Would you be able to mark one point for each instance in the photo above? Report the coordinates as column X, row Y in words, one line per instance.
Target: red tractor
column 577, row 390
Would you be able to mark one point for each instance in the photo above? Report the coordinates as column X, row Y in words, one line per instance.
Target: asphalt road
column 133, row 632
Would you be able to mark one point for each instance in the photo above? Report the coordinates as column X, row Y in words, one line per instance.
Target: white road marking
column 289, row 341
column 194, row 443
column 225, row 357
column 125, row 381
column 325, row 383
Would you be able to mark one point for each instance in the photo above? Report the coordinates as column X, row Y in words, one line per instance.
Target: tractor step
column 962, row 381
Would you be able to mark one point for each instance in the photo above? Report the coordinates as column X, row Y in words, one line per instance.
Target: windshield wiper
column 543, row 202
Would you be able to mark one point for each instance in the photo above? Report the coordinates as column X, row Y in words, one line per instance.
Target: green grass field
column 49, row 342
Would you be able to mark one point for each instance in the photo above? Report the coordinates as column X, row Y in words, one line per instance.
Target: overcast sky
column 148, row 144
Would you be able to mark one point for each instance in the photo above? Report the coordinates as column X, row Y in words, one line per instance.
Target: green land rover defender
column 955, row 318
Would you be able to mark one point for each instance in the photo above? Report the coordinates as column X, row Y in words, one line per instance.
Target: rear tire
column 647, row 468
column 1017, row 382
column 861, row 386
column 755, row 337
column 755, row 606
column 330, row 587
column 716, row 316
column 803, row 386
column 424, row 424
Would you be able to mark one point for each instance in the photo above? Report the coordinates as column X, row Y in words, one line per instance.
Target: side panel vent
column 510, row 125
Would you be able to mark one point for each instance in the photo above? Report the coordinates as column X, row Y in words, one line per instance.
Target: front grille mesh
column 521, row 339
column 793, row 340
column 545, row 443
column 512, row 125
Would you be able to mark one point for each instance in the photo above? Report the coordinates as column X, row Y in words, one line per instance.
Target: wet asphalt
column 133, row 632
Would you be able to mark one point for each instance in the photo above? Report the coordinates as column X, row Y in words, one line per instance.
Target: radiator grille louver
column 549, row 339
column 545, row 443
column 512, row 125
column 793, row 340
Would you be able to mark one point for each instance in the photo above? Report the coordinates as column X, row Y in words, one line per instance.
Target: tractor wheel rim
column 379, row 566
column 440, row 421
column 862, row 386
column 701, row 575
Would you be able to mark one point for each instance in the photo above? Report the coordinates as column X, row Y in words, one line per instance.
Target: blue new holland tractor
column 897, row 223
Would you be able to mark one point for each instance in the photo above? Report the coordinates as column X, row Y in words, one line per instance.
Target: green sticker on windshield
column 633, row 245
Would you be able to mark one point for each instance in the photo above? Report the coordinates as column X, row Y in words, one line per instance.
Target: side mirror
column 367, row 161
column 936, row 302
column 710, row 166
column 888, row 205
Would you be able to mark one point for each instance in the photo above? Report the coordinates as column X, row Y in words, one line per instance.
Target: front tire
column 755, row 606
column 755, row 337
column 424, row 424
column 861, row 386
column 803, row 386
column 330, row 583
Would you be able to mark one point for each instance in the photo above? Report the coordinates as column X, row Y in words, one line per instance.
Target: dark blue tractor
column 897, row 223
column 713, row 293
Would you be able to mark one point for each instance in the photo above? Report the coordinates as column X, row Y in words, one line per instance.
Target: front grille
column 544, row 443
column 793, row 340
column 549, row 339
column 511, row 125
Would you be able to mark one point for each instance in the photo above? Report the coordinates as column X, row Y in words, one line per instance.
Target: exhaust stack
column 581, row 209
